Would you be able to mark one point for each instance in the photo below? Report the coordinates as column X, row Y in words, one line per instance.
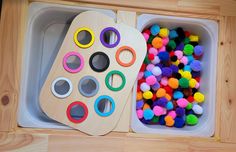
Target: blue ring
column 97, row 102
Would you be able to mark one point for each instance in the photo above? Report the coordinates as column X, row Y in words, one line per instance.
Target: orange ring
column 122, row 49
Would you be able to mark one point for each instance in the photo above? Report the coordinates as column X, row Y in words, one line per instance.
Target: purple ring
column 113, row 30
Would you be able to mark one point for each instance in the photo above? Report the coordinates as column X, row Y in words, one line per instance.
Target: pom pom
column 198, row 50
column 179, row 54
column 191, row 119
column 165, row 41
column 162, row 120
column 150, row 67
column 157, row 42
column 190, row 59
column 174, row 68
column 183, row 82
column 173, row 34
column 192, row 83
column 172, row 44
column 196, row 74
column 168, row 97
column 163, row 56
column 169, row 105
column 190, row 99
column 148, row 114
column 155, row 86
column 155, row 29
column 146, row 106
column 187, row 75
column 151, row 80
column 164, row 81
column 177, row 75
column 140, row 75
column 186, row 40
column 196, row 65
column 179, row 122
column 160, row 93
column 139, row 95
column 156, row 71
column 164, row 32
column 146, row 36
column 197, row 109
column 166, row 71
column 162, row 102
column 144, row 87
column 181, row 66
column 139, row 104
column 158, row 111
column 194, row 38
column 153, row 50
column 147, row 74
column 147, row 95
column 169, row 121
column 184, row 60
column 173, row 83
column 187, row 68
column 173, row 58
column 178, row 95
column 180, row 111
column 168, row 89
column 139, row 114
column 156, row 60
column 189, row 106
column 155, row 119
column 182, row 102
column 151, row 56
column 188, row 49
column 172, row 114
column 180, row 46
column 199, row 97
column 180, row 33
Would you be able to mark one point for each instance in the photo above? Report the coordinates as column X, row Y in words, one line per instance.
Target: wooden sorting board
column 56, row 107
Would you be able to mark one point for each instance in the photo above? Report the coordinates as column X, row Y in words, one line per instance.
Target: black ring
column 91, row 62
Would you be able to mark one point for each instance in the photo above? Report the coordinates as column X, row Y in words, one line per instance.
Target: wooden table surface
column 12, row 32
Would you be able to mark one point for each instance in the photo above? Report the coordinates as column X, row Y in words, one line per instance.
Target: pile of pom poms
column 169, row 79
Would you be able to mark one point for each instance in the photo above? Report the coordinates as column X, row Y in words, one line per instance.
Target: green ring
column 122, row 77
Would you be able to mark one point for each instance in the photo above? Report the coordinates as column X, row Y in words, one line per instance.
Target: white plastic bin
column 46, row 29
column 208, row 32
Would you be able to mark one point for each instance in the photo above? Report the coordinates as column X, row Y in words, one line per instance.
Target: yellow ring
column 82, row 45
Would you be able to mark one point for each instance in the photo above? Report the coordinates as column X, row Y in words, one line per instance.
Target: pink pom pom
column 146, row 36
column 184, row 60
column 151, row 80
column 179, row 54
column 165, row 41
column 172, row 114
column 139, row 114
column 153, row 50
column 197, row 85
column 140, row 75
column 162, row 49
column 157, row 110
column 164, row 81
column 182, row 102
column 164, row 111
column 150, row 67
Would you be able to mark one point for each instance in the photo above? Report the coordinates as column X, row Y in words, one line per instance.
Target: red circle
column 85, row 112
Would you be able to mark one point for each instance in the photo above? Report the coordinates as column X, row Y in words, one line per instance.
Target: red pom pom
column 151, row 56
column 143, row 67
column 197, row 57
column 190, row 99
column 147, row 31
column 172, row 53
column 187, row 33
column 148, row 46
column 168, row 89
column 141, row 81
column 198, row 79
column 138, row 88
column 154, row 98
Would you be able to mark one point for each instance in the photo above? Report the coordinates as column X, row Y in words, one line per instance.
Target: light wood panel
column 11, row 42
column 226, row 93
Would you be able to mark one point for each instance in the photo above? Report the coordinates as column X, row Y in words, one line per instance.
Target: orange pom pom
column 146, row 106
column 160, row 93
column 168, row 97
column 139, row 95
column 169, row 121
column 173, row 83
column 157, row 42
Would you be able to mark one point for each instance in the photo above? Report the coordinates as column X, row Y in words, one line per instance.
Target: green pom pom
column 151, row 37
column 146, row 60
column 189, row 106
column 191, row 119
column 183, row 82
column 186, row 40
column 155, row 119
column 172, row 44
column 188, row 49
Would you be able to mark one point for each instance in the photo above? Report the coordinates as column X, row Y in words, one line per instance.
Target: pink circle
column 150, row 67
column 164, row 81
column 153, row 50
column 139, row 114
column 184, row 60
column 151, row 80
column 165, row 40
column 73, row 54
column 162, row 49
column 182, row 102
column 158, row 110
column 197, row 85
column 172, row 114
column 140, row 75
column 179, row 54
column 146, row 36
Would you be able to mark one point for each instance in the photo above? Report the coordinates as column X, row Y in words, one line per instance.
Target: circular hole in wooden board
column 110, row 37
column 77, row 112
column 99, row 61
column 104, row 106
column 61, row 87
column 88, row 86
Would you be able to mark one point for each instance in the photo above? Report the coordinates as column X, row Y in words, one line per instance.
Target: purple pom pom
column 180, row 111
column 166, row 72
column 162, row 102
column 198, row 50
column 196, row 74
column 139, row 104
column 180, row 46
column 196, row 65
column 174, row 68
column 156, row 86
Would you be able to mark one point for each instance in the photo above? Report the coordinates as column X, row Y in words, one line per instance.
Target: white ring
column 63, row 95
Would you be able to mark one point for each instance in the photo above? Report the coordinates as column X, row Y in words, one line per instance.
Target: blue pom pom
column 147, row 74
column 187, row 68
column 196, row 65
column 162, row 102
column 169, row 105
column 180, row 111
column 173, row 34
column 196, row 74
column 163, row 56
column 145, row 121
column 179, row 122
column 166, row 72
column 148, row 114
column 174, row 68
column 162, row 120
column 178, row 95
column 190, row 59
column 155, row 29
column 155, row 86
column 198, row 50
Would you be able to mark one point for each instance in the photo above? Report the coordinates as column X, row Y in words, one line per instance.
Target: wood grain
column 227, row 79
column 11, row 42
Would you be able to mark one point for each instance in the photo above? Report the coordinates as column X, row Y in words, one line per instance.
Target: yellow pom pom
column 199, row 97
column 147, row 95
column 164, row 32
column 187, row 75
column 176, row 62
column 160, row 93
column 139, row 95
column 192, row 83
column 181, row 72
column 193, row 38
